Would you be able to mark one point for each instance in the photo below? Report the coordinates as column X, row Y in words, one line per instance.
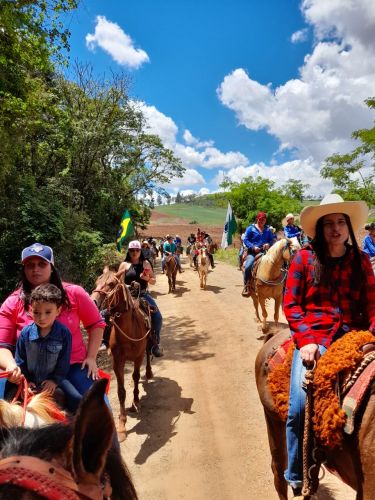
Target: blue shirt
column 255, row 238
column 369, row 246
column 42, row 358
column 170, row 247
column 292, row 231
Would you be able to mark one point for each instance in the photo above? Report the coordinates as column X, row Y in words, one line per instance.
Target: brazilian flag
column 126, row 230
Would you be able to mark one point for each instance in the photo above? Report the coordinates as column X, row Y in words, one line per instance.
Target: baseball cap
column 134, row 244
column 38, row 250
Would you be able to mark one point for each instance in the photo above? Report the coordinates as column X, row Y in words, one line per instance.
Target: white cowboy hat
column 357, row 211
column 284, row 222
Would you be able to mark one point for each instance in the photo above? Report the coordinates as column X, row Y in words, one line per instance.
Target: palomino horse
column 203, row 265
column 129, row 336
column 354, row 461
column 193, row 251
column 270, row 276
column 171, row 267
column 69, row 462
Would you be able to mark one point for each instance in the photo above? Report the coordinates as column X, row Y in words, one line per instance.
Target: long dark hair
column 55, row 279
column 322, row 268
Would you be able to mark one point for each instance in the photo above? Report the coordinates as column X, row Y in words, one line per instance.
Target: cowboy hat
column 357, row 211
column 284, row 222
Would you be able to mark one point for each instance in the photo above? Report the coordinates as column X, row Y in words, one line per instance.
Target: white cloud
column 190, row 178
column 299, row 36
column 113, row 40
column 193, row 152
column 315, row 114
column 305, row 170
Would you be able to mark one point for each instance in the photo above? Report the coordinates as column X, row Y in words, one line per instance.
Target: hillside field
column 201, row 215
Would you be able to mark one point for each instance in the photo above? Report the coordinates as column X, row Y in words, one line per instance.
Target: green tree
column 353, row 174
column 178, row 198
column 295, row 189
column 252, row 195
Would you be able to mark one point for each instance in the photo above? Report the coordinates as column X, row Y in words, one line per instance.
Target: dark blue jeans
column 72, row 396
column 156, row 317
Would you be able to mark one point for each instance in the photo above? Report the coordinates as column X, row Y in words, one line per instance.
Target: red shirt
column 319, row 313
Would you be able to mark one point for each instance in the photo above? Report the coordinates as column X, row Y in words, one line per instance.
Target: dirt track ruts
column 201, row 432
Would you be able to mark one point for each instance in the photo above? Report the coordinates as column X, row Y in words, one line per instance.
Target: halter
column 51, row 482
column 110, row 295
column 23, row 387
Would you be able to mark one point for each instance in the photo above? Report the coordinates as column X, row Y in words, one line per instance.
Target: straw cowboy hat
column 284, row 222
column 333, row 204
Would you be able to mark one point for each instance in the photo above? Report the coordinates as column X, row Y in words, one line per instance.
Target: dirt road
column 201, row 434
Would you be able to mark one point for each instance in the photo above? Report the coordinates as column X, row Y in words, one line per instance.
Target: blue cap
column 38, row 250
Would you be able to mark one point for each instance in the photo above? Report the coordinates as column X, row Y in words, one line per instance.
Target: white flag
column 230, row 227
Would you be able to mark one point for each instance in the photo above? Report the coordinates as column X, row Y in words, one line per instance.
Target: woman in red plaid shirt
column 330, row 290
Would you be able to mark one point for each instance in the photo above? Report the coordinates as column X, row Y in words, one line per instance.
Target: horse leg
column 169, row 283
column 149, row 373
column 262, row 302
column 254, row 296
column 136, row 376
column 118, row 368
column 277, row 309
column 277, row 444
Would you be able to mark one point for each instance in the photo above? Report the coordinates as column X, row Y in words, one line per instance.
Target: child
column 43, row 347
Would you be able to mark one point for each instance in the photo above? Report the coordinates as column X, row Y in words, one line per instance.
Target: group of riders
column 330, row 290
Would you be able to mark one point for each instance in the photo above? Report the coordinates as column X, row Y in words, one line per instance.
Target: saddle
column 342, row 378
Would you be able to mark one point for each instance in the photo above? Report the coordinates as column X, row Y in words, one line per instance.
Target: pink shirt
column 13, row 318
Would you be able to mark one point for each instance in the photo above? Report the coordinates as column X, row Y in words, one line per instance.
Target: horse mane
column 41, row 405
column 275, row 251
column 44, row 407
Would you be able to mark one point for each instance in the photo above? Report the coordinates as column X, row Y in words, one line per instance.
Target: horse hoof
column 149, row 375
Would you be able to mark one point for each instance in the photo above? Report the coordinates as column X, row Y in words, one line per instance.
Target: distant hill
column 192, row 214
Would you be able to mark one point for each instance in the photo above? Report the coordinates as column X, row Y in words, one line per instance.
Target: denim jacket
column 42, row 358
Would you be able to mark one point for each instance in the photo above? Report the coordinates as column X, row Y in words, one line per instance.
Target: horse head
column 66, row 461
column 290, row 247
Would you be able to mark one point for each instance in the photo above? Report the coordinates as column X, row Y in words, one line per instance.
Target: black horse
column 75, row 461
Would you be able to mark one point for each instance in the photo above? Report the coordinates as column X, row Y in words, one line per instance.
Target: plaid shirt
column 319, row 313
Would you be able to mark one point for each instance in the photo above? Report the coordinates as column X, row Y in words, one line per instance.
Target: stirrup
column 246, row 291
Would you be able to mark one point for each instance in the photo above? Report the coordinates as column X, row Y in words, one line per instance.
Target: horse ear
column 93, row 432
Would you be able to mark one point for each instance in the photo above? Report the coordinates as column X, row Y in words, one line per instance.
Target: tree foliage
column 74, row 153
column 353, row 174
column 252, row 195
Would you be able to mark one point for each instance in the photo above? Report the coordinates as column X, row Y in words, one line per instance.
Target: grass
column 201, row 215
column 229, row 256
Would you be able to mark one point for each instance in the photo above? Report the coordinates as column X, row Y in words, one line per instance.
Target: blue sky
column 239, row 87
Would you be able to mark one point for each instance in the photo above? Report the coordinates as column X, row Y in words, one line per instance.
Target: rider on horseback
column 330, row 290
column 138, row 269
column 368, row 244
column 291, row 230
column 170, row 248
column 258, row 238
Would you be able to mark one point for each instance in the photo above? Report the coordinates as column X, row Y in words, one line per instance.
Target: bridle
column 128, row 301
column 50, row 481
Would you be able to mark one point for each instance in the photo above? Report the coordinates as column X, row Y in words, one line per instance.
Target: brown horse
column 171, row 267
column 129, row 336
column 354, row 462
column 270, row 276
column 62, row 461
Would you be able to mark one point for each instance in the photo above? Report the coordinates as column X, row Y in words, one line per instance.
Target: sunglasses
column 134, row 249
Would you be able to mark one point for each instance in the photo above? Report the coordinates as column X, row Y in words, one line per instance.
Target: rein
column 109, row 295
column 51, row 482
column 23, row 387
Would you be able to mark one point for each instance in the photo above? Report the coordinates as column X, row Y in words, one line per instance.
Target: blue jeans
column 248, row 265
column 156, row 317
column 72, row 396
column 296, row 419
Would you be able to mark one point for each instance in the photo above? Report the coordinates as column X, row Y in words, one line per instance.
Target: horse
column 212, row 247
column 171, row 267
column 128, row 339
column 269, row 276
column 354, row 461
column 203, row 265
column 69, row 461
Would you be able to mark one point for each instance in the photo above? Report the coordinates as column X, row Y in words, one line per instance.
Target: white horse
column 269, row 276
column 203, row 265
